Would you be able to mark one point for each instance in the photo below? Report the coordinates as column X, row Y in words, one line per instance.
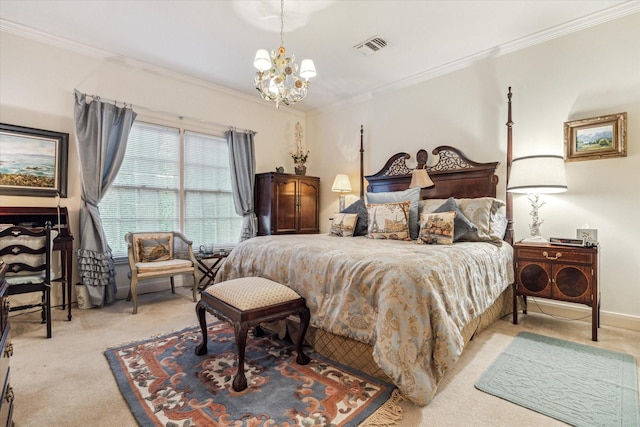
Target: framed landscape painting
column 596, row 138
column 33, row 162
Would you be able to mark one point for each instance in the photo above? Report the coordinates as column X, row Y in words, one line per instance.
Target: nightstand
column 563, row 273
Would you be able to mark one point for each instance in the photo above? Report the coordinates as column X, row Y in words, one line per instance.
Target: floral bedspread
column 409, row 301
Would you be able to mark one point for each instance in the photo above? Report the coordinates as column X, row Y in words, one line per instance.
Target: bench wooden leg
column 240, row 380
column 201, row 312
column 302, row 358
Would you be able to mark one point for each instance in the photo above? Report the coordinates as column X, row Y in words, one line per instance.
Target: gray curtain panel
column 242, row 163
column 102, row 130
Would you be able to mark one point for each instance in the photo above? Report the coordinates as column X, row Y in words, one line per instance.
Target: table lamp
column 534, row 175
column 341, row 185
column 420, row 178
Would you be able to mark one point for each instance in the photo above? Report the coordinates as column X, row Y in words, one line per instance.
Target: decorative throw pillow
column 389, row 221
column 436, row 228
column 483, row 212
column 412, row 195
column 360, row 208
column 154, row 250
column 498, row 225
column 462, row 225
column 343, row 224
column 480, row 211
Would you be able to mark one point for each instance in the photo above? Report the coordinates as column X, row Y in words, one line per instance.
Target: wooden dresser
column 6, row 350
column 287, row 203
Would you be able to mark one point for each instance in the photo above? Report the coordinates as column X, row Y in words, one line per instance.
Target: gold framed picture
column 33, row 162
column 596, row 138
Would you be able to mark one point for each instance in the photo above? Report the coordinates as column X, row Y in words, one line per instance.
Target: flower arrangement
column 300, row 154
column 300, row 158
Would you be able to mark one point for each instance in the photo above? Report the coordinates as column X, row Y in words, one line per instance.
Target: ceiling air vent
column 371, row 46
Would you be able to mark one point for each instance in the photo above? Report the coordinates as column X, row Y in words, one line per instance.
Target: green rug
column 577, row 384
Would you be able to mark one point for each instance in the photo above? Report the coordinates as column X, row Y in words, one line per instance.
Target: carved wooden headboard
column 454, row 175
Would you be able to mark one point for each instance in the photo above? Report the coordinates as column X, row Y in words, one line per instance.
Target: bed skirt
column 360, row 355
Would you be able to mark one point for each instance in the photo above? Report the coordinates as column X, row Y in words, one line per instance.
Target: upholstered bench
column 246, row 302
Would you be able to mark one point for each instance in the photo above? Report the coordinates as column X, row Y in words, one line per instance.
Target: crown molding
column 60, row 42
column 610, row 14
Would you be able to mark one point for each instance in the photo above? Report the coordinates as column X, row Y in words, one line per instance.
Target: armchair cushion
column 154, row 268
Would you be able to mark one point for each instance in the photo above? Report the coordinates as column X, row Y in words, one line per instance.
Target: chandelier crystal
column 278, row 78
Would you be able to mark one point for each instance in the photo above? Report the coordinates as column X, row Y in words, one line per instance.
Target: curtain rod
column 167, row 113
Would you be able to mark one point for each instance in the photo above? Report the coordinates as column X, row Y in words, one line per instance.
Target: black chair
column 27, row 251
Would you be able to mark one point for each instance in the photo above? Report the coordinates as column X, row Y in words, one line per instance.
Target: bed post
column 361, row 162
column 509, row 197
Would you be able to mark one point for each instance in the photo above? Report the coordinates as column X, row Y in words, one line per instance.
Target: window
column 171, row 179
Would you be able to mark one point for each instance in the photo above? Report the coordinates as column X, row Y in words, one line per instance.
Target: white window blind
column 210, row 214
column 171, row 179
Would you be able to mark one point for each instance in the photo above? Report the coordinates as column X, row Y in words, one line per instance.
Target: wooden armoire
column 287, row 203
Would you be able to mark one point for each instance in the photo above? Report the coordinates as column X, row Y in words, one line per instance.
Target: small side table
column 210, row 270
column 560, row 273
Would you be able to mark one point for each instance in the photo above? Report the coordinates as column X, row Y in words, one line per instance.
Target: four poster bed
column 393, row 308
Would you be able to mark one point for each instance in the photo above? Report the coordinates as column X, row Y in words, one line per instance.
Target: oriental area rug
column 578, row 384
column 166, row 384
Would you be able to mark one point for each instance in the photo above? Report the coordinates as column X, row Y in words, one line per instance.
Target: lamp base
column 534, row 240
column 341, row 203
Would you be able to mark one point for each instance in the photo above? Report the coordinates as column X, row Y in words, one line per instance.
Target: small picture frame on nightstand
column 589, row 235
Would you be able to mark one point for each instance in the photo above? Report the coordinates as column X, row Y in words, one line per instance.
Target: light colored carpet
column 66, row 380
column 579, row 384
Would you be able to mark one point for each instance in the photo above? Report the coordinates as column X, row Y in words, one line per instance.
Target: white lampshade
column 420, row 178
column 307, row 69
column 341, row 184
column 542, row 174
column 262, row 60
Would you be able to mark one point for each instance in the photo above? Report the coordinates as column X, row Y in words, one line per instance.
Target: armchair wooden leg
column 195, row 287
column 133, row 292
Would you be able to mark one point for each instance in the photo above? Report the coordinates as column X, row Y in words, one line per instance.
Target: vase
column 301, row 170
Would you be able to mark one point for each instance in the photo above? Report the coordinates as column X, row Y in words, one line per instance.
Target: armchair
column 161, row 254
column 27, row 253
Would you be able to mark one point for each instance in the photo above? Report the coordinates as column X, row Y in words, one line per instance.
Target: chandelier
column 278, row 78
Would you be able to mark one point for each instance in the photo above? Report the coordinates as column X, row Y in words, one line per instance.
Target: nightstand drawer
column 555, row 254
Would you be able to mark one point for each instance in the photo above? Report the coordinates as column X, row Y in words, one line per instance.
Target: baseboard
column 583, row 313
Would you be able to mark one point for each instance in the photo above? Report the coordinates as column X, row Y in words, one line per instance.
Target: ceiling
column 215, row 41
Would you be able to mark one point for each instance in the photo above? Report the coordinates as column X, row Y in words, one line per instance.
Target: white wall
column 589, row 73
column 37, row 78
